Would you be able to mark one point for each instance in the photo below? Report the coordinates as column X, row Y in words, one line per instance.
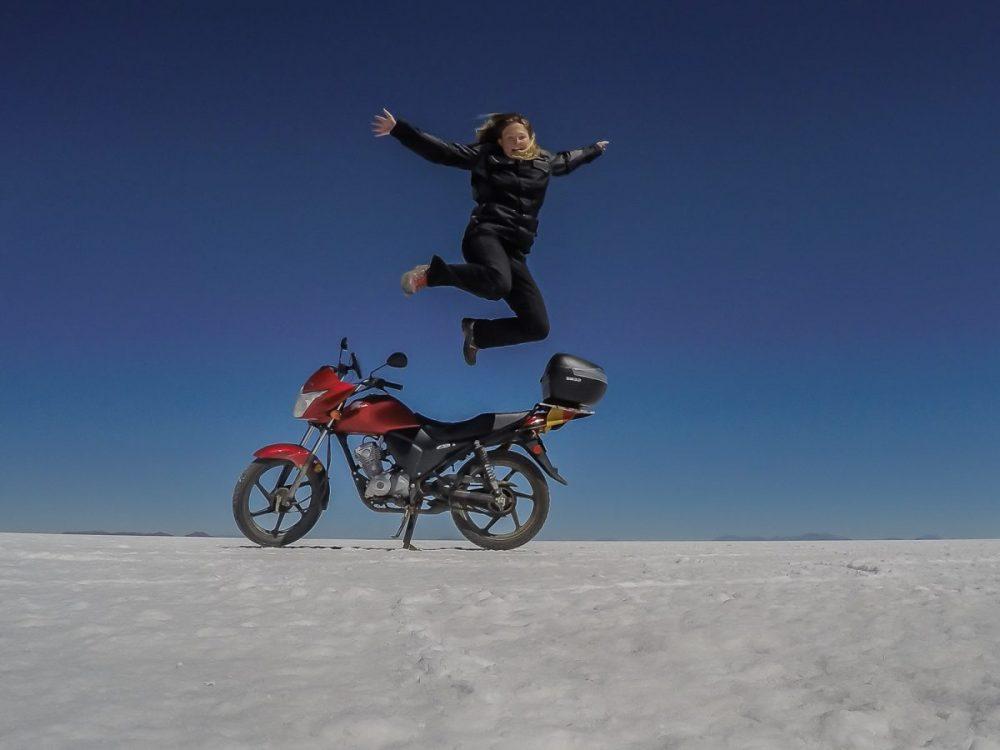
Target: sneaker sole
column 406, row 282
column 467, row 332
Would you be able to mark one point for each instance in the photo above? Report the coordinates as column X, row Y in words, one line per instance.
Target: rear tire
column 250, row 492
column 518, row 470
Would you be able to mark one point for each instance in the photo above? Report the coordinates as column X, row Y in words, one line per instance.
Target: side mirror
column 355, row 365
column 397, row 359
column 342, row 369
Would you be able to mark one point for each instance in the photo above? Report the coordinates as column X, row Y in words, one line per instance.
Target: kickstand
column 409, row 532
column 409, row 521
column 406, row 518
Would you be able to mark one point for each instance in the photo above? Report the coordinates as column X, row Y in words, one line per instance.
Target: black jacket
column 508, row 192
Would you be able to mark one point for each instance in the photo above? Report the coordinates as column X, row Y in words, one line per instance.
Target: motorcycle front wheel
column 527, row 495
column 264, row 508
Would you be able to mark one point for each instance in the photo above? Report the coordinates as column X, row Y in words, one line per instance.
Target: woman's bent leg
column 487, row 274
column 525, row 299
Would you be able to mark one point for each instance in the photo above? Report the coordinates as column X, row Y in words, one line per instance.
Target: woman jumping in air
column 509, row 176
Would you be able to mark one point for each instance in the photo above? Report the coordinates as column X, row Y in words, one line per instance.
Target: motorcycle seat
column 478, row 426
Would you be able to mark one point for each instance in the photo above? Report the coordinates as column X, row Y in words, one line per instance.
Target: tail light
column 548, row 417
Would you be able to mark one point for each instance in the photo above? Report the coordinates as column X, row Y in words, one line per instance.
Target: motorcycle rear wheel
column 513, row 471
column 252, row 501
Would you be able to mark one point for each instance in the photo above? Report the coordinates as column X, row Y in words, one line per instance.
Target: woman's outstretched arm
column 565, row 162
column 428, row 146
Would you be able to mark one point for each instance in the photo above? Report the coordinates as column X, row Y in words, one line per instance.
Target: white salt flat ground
column 149, row 642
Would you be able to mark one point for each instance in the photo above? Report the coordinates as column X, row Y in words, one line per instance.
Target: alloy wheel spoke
column 266, row 494
column 285, row 471
column 281, row 516
column 490, row 524
column 513, row 514
column 470, row 511
column 261, row 512
column 524, row 495
column 509, row 475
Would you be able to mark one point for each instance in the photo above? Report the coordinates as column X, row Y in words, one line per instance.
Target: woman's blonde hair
column 491, row 130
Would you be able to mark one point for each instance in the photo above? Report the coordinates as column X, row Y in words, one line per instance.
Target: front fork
column 312, row 454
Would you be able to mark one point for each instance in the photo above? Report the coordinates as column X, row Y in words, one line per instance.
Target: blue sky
column 787, row 260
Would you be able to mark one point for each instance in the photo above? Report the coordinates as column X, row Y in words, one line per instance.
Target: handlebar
column 381, row 383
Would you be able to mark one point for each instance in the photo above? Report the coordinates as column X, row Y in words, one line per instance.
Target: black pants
column 496, row 271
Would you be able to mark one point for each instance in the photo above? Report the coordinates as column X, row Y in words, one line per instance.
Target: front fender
column 287, row 451
column 298, row 456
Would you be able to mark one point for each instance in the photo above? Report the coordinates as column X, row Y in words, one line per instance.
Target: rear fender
column 536, row 450
column 298, row 456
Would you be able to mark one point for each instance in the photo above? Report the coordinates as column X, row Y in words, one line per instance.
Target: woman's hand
column 381, row 125
column 603, row 145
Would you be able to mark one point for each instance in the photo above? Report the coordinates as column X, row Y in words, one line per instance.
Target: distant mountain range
column 134, row 533
column 811, row 536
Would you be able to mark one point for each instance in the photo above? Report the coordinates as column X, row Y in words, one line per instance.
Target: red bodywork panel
column 375, row 415
column 325, row 379
column 287, row 451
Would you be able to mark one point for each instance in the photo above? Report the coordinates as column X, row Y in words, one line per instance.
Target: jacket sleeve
column 565, row 162
column 434, row 149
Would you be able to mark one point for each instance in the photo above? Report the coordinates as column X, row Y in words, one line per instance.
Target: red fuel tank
column 375, row 415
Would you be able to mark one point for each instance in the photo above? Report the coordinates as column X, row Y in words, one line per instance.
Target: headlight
column 304, row 401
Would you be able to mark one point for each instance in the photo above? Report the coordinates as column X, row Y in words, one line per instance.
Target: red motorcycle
column 410, row 464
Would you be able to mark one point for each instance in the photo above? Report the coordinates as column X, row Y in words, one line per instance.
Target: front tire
column 265, row 512
column 523, row 484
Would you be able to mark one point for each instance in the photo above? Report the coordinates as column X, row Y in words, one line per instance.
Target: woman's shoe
column 469, row 349
column 414, row 280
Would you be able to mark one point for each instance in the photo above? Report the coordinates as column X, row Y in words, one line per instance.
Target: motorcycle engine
column 381, row 482
column 369, row 455
column 393, row 483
